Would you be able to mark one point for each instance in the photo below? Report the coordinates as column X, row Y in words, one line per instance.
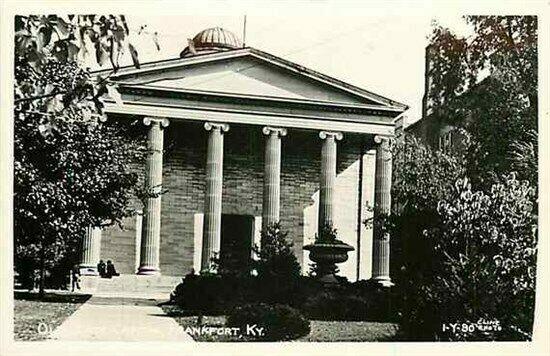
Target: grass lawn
column 327, row 331
column 52, row 310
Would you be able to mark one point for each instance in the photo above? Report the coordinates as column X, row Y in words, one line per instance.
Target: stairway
column 130, row 285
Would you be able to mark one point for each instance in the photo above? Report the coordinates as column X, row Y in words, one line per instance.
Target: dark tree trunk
column 41, row 291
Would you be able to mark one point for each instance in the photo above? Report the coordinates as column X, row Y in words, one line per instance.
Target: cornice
column 236, row 98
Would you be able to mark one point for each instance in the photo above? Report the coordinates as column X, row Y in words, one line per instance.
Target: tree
column 71, row 169
column 276, row 258
column 486, row 248
column 460, row 254
column 503, row 49
column 40, row 39
column 464, row 226
column 277, row 267
column 421, row 178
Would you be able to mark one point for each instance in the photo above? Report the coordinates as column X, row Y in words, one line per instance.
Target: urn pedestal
column 327, row 255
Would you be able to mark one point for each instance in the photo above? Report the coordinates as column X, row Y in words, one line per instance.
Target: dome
column 212, row 40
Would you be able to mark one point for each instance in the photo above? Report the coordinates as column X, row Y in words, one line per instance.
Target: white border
column 540, row 345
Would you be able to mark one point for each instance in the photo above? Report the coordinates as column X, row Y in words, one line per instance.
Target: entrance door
column 236, row 243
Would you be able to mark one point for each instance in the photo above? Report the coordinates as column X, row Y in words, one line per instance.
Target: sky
column 382, row 54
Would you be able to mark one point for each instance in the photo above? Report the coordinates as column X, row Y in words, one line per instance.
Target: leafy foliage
column 276, row 259
column 277, row 267
column 524, row 156
column 69, row 38
column 277, row 279
column 422, row 175
column 359, row 301
column 460, row 254
column 213, row 294
column 43, row 39
column 487, row 84
column 327, row 235
column 464, row 249
column 71, row 169
column 486, row 248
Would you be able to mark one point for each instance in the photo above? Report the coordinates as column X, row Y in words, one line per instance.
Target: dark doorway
column 236, row 243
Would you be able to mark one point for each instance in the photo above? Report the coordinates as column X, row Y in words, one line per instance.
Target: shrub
column 481, row 265
column 486, row 248
column 352, row 301
column 334, row 306
column 277, row 267
column 460, row 254
column 212, row 294
column 278, row 280
column 275, row 256
column 280, row 322
column 218, row 294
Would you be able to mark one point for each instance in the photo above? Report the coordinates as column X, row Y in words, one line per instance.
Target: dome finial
column 213, row 39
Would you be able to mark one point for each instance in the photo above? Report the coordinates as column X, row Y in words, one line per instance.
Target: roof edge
column 175, row 62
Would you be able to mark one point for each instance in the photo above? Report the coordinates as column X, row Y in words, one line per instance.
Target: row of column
column 150, row 242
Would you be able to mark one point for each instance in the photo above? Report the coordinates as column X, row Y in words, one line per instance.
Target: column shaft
column 382, row 205
column 150, row 236
column 213, row 200
column 328, row 177
column 272, row 176
column 90, row 252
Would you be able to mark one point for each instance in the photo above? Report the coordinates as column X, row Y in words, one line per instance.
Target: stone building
column 437, row 128
column 256, row 139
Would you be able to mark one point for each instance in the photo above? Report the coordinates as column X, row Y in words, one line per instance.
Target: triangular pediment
column 248, row 72
column 230, row 80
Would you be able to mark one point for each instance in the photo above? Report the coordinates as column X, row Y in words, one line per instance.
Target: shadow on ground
column 151, row 302
column 52, row 297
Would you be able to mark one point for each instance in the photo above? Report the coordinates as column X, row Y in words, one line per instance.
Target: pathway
column 100, row 319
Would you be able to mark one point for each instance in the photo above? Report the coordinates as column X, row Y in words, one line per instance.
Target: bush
column 359, row 301
column 277, row 267
column 461, row 255
column 212, row 294
column 280, row 322
column 486, row 250
column 276, row 259
column 334, row 306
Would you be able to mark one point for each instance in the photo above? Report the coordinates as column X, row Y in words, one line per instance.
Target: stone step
column 130, row 283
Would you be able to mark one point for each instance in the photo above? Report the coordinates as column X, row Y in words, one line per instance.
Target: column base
column 88, row 270
column 148, row 271
column 383, row 281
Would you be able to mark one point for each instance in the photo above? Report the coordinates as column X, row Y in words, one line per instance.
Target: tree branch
column 53, row 93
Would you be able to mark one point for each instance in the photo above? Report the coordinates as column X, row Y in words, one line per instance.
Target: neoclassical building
column 254, row 139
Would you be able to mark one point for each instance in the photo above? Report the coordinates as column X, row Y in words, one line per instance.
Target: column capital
column 379, row 139
column 269, row 130
column 164, row 122
column 208, row 126
column 337, row 135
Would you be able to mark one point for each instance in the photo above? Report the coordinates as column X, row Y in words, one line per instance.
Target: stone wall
column 183, row 177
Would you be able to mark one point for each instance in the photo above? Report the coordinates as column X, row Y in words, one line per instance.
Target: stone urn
column 327, row 255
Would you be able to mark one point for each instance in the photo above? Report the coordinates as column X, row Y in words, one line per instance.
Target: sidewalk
column 96, row 320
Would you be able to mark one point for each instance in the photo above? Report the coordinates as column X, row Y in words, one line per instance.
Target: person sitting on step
column 101, row 269
column 111, row 271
